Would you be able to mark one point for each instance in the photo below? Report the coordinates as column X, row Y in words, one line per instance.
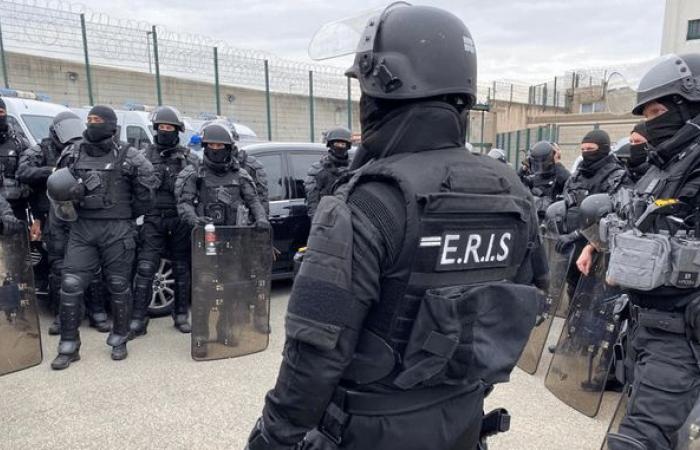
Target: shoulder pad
column 314, row 169
column 244, row 174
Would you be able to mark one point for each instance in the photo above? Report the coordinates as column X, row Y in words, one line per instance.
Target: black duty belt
column 398, row 402
column 660, row 320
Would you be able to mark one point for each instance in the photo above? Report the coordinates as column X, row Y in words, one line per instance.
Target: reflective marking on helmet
column 431, row 241
column 469, row 45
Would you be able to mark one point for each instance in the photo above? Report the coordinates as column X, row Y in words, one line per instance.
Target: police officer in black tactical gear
column 35, row 166
column 216, row 192
column 664, row 342
column 162, row 227
column 599, row 172
column 12, row 145
column 323, row 174
column 546, row 178
column 252, row 166
column 634, row 154
column 104, row 186
column 404, row 261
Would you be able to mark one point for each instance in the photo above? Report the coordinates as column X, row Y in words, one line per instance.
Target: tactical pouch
column 685, row 263
column 469, row 333
column 639, row 261
column 217, row 213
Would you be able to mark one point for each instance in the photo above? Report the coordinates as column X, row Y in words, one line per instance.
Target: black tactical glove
column 11, row 225
column 692, row 319
column 262, row 224
column 566, row 241
column 260, row 440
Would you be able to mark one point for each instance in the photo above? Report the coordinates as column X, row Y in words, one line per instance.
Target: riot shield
column 231, row 271
column 620, row 412
column 689, row 434
column 583, row 357
column 558, row 266
column 20, row 339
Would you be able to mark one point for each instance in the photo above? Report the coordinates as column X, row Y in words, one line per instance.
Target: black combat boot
column 69, row 345
column 143, row 291
column 182, row 296
column 95, row 305
column 121, row 312
column 55, row 303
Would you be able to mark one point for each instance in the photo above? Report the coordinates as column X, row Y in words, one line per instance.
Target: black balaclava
column 4, row 126
column 339, row 155
column 407, row 126
column 638, row 152
column 602, row 139
column 167, row 139
column 218, row 160
column 662, row 128
column 98, row 133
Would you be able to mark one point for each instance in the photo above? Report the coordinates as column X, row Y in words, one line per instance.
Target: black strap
column 495, row 422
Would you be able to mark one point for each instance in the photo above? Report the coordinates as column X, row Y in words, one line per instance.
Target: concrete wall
column 65, row 83
column 676, row 17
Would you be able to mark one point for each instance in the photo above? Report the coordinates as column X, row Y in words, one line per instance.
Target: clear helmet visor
column 623, row 85
column 592, row 234
column 350, row 35
column 64, row 210
column 68, row 130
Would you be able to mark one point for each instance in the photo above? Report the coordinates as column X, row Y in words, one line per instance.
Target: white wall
column 678, row 13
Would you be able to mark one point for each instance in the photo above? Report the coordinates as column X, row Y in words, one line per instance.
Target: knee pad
column 117, row 284
column 71, row 284
column 145, row 268
column 618, row 441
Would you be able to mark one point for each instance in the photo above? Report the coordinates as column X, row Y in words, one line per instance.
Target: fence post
column 217, row 87
column 349, row 103
column 555, row 93
column 88, row 71
column 311, row 105
column 517, row 144
column 3, row 61
column 157, row 64
column 509, row 142
column 481, row 148
column 267, row 100
column 469, row 127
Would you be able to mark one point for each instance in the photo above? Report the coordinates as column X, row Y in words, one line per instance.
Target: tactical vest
column 168, row 167
column 467, row 234
column 580, row 187
column 107, row 188
column 543, row 192
column 38, row 200
column 10, row 152
column 667, row 181
column 328, row 175
column 219, row 195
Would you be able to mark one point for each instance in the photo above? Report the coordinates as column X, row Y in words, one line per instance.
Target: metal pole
column 555, row 92
column 217, row 88
column 349, row 104
column 517, row 143
column 88, row 74
column 157, row 62
column 481, row 148
column 3, row 61
column 148, row 51
column 267, row 100
column 469, row 126
column 311, row 105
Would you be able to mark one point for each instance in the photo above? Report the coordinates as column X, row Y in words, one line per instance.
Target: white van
column 134, row 126
column 31, row 118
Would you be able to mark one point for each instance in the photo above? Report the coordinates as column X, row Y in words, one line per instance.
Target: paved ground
column 160, row 398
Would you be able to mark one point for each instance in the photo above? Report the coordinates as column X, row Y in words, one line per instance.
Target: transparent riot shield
column 20, row 339
column 584, row 354
column 231, row 270
column 620, row 411
column 689, row 434
column 558, row 266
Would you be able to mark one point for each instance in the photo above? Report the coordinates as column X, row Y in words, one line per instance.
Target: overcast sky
column 529, row 40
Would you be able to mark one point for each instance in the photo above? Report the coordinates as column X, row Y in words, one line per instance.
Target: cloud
column 527, row 40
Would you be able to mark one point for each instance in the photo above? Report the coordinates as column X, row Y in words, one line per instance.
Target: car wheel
column 163, row 295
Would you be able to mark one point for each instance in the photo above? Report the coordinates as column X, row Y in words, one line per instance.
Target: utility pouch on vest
column 217, row 213
column 685, row 263
column 469, row 333
column 639, row 261
column 92, row 182
column 224, row 196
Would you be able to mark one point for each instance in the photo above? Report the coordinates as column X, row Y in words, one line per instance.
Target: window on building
column 693, row 29
column 589, row 108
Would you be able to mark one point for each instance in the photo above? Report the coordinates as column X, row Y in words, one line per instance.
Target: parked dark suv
column 286, row 166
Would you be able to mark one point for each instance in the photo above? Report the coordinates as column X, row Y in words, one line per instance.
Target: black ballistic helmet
column 216, row 133
column 67, row 126
column 63, row 190
column 674, row 75
column 412, row 52
column 555, row 216
column 541, row 157
column 339, row 134
column 167, row 115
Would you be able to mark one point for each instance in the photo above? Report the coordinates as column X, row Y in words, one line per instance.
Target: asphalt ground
column 160, row 398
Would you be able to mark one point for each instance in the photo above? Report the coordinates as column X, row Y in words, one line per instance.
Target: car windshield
column 38, row 125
